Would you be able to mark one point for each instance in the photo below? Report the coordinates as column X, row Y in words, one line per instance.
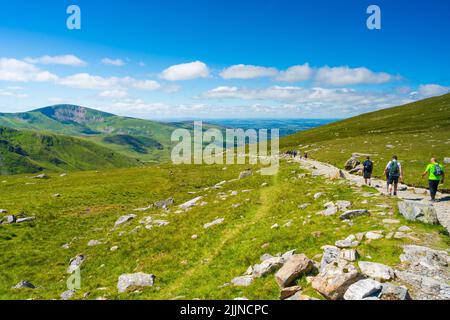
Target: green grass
column 417, row 131
column 90, row 203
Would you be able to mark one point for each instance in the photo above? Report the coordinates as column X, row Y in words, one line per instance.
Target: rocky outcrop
column 376, row 271
column 413, row 210
column 363, row 289
column 124, row 219
column 352, row 163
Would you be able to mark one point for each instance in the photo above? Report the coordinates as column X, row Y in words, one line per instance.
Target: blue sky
column 223, row 58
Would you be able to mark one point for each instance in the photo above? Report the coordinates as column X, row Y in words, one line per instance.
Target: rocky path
column 404, row 193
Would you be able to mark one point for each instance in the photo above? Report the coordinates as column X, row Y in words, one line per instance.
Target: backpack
column 394, row 169
column 438, row 172
column 368, row 166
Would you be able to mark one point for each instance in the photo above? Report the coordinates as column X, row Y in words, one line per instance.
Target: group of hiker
column 394, row 173
column 295, row 153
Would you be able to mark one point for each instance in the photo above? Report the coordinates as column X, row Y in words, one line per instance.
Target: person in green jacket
column 436, row 174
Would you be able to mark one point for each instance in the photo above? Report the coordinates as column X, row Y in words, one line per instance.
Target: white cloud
column 341, row 98
column 114, row 94
column 4, row 93
column 296, row 73
column 429, row 90
column 340, row 76
column 145, row 84
column 186, row 71
column 242, row 71
column 68, row 60
column 88, row 81
column 113, row 62
column 19, row 71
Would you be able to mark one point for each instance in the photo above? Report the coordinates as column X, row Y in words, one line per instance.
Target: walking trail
column 407, row 193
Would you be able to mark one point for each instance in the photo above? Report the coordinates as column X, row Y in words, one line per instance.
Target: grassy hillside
column 120, row 134
column 30, row 152
column 91, row 202
column 415, row 132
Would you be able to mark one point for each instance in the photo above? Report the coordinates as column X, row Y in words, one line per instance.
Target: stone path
column 414, row 194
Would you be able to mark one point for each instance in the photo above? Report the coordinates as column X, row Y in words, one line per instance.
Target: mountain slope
column 103, row 128
column 30, row 152
column 415, row 132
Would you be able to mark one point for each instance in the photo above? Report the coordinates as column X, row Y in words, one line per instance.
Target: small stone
column 372, row 235
column 289, row 292
column 393, row 292
column 353, row 213
column 66, row 295
column 349, row 255
column 318, row 195
column 213, row 223
column 114, row 248
column 400, row 235
column 194, row 237
column 26, row 219
column 124, row 219
column 391, row 221
column 404, row 229
column 243, row 281
column 275, row 226
column 75, row 263
column 94, row 243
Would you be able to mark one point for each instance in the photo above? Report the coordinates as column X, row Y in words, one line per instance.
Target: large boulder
column 330, row 255
column 352, row 163
column 334, row 280
column 134, row 280
column 267, row 266
column 376, row 271
column 413, row 210
column 390, row 291
column 295, row 267
column 363, row 289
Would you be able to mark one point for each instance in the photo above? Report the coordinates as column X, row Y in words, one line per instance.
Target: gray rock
column 299, row 296
column 404, row 229
column 66, row 295
column 26, row 219
column 289, row 292
column 243, row 281
column 330, row 255
column 160, row 223
column 373, row 235
column 413, row 210
column 267, row 266
column 164, row 204
column 343, row 204
column 3, row 211
column 318, row 195
column 295, row 267
column 134, row 280
column 352, row 163
column 424, row 287
column 363, row 289
column 93, row 243
column 353, row 214
column 329, row 211
column 213, row 223
column 391, row 221
column 9, row 219
column 349, row 255
column 245, row 174
column 24, row 284
column 124, row 219
column 75, row 263
column 304, row 206
column 349, row 242
column 189, row 204
column 376, row 271
column 392, row 292
column 41, row 176
column 447, row 160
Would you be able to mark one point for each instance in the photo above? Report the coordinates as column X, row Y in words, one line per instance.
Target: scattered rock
column 164, row 204
column 8, row 219
column 300, row 296
column 243, row 281
column 343, row 204
column 114, row 248
column 404, row 229
column 353, row 213
column 245, row 174
column 190, row 203
column 75, row 263
column 349, row 255
column 134, row 281
column 194, row 237
column 363, row 289
column 391, row 221
column 349, row 242
column 295, row 267
column 3, row 211
column 373, row 235
column 329, row 211
column 41, row 176
column 124, row 219
column 56, row 195
column 351, row 163
column 267, row 266
column 26, row 219
column 413, row 210
column 318, row 195
column 93, row 243
column 376, row 271
column 24, row 284
column 275, row 226
column 213, row 223
column 66, row 295
column 330, row 255
column 304, row 206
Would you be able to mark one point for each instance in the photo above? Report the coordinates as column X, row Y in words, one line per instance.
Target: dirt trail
column 408, row 193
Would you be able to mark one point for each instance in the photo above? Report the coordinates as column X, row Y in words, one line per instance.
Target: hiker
column 395, row 173
column 305, row 155
column 436, row 174
column 294, row 153
column 367, row 171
